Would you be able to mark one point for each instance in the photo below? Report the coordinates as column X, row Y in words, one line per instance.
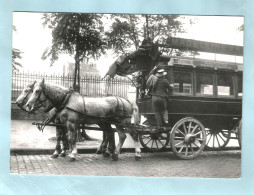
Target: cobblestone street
column 222, row 164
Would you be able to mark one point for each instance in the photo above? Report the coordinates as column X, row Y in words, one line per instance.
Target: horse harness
column 55, row 111
column 22, row 103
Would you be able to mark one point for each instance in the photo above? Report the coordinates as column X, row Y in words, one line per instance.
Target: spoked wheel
column 188, row 138
column 217, row 139
column 154, row 142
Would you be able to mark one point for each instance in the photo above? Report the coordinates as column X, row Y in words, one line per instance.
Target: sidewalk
column 25, row 136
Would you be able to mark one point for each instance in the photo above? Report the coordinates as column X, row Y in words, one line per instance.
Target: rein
column 132, row 82
column 22, row 104
column 38, row 104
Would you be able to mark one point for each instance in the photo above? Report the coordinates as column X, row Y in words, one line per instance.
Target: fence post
column 91, row 84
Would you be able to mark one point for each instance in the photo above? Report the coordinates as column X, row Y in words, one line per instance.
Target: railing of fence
column 90, row 85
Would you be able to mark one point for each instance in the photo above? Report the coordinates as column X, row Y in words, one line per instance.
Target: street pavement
column 25, row 137
column 222, row 164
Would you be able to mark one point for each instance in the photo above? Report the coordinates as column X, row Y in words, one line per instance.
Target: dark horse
column 84, row 110
column 108, row 143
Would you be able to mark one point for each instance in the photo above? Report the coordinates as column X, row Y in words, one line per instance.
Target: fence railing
column 90, row 85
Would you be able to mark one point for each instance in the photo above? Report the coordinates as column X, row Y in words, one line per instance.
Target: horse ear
column 32, row 84
column 41, row 83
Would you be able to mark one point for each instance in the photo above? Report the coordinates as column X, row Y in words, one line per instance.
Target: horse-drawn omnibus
column 205, row 108
column 210, row 91
column 207, row 97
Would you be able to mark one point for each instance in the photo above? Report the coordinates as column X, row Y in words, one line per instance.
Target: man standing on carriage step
column 160, row 90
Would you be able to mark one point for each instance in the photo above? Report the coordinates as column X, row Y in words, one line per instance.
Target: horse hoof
column 62, row 155
column 137, row 158
column 106, row 154
column 114, row 157
column 54, row 155
column 72, row 159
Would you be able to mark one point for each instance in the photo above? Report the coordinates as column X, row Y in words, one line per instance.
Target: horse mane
column 55, row 93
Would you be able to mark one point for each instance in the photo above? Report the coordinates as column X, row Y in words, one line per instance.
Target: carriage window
column 204, row 84
column 225, row 85
column 182, row 82
column 240, row 86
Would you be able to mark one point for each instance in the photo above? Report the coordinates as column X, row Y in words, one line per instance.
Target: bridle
column 38, row 100
column 37, row 105
column 22, row 100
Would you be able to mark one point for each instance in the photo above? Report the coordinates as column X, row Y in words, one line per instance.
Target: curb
column 50, row 151
column 93, row 150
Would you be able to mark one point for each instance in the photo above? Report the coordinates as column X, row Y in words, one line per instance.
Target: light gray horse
column 84, row 110
column 108, row 143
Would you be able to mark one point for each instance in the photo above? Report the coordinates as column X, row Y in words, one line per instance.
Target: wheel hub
column 189, row 138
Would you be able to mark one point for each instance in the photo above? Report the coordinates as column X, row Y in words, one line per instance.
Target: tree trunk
column 76, row 84
column 76, row 87
column 147, row 28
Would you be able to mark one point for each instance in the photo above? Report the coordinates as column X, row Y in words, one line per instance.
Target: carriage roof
column 178, row 61
column 148, row 55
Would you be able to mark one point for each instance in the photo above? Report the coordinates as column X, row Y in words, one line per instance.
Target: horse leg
column 102, row 147
column 105, row 140
column 105, row 151
column 111, row 140
column 72, row 140
column 134, row 136
column 64, row 143
column 58, row 146
column 122, row 137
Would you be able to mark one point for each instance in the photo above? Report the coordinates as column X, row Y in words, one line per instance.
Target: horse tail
column 135, row 113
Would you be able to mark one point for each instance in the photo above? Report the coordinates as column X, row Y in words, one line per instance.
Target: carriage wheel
column 217, row 140
column 188, row 138
column 154, row 142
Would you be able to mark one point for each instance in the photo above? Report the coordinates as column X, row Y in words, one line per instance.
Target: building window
column 204, row 84
column 225, row 85
column 182, row 82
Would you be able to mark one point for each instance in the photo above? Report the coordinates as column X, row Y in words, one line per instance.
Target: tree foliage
column 75, row 34
column 16, row 54
column 129, row 30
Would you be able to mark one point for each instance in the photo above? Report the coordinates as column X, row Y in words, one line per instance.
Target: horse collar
column 66, row 100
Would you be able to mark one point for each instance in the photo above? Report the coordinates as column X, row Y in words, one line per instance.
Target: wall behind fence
column 90, row 85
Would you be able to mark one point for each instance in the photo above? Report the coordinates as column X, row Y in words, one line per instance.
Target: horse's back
column 107, row 106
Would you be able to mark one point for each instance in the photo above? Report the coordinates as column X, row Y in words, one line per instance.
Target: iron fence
column 91, row 85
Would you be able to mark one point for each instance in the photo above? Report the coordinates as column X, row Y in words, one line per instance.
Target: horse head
column 37, row 96
column 24, row 96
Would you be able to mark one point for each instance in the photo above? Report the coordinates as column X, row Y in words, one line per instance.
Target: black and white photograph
column 138, row 95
